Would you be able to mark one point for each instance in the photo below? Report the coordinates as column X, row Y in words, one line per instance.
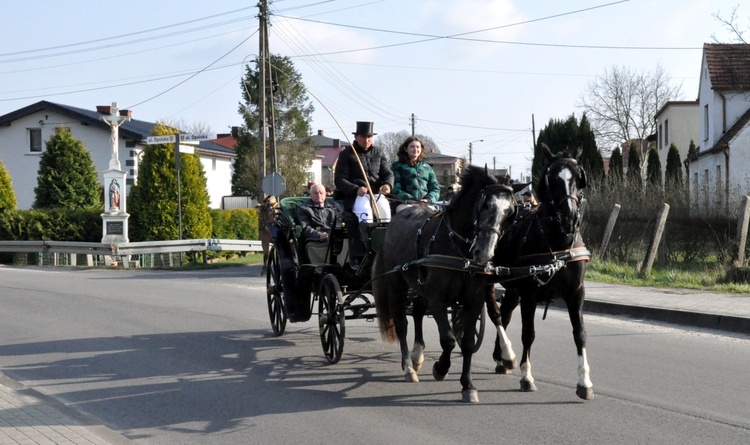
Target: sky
column 479, row 72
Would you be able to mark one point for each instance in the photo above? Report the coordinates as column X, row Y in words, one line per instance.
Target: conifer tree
column 67, row 177
column 653, row 168
column 673, row 172
column 153, row 202
column 616, row 168
column 292, row 111
column 634, row 168
column 7, row 194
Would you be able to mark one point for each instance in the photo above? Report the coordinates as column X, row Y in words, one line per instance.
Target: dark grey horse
column 447, row 253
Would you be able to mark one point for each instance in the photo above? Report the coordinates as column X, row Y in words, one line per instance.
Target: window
column 705, row 122
column 666, row 132
column 660, row 136
column 719, row 184
column 213, row 164
column 35, row 140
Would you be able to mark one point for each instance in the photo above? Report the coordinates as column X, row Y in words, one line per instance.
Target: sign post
column 176, row 139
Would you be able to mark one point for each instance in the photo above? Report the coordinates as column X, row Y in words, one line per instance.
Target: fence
column 143, row 254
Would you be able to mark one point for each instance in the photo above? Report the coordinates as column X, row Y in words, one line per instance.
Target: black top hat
column 364, row 129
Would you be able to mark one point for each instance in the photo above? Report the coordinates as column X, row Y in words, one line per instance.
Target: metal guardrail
column 124, row 250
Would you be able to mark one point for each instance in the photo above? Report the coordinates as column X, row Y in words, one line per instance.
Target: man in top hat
column 350, row 181
column 348, row 177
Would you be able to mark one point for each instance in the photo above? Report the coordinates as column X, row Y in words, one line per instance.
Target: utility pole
column 471, row 146
column 412, row 124
column 262, row 54
column 494, row 167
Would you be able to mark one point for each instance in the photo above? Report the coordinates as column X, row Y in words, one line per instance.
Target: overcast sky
column 468, row 70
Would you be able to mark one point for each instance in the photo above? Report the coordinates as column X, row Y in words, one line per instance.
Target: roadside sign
column 171, row 138
column 273, row 184
column 194, row 137
column 166, row 139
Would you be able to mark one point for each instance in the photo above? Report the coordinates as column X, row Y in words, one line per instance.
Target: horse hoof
column 470, row 396
column 439, row 377
column 411, row 377
column 417, row 362
column 527, row 386
column 584, row 393
column 502, row 370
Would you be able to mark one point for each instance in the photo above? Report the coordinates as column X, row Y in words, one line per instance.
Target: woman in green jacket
column 414, row 179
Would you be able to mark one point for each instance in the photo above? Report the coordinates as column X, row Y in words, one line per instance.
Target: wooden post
column 742, row 225
column 608, row 230
column 661, row 221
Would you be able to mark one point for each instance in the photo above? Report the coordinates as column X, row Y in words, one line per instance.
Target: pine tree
column 153, row 202
column 653, row 168
column 292, row 111
column 7, row 194
column 673, row 172
column 562, row 135
column 634, row 168
column 67, row 177
column 616, row 168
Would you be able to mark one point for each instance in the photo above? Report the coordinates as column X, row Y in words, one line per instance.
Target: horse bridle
column 478, row 228
column 578, row 198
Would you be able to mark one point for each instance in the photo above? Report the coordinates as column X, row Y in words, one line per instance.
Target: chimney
column 320, row 132
column 335, row 143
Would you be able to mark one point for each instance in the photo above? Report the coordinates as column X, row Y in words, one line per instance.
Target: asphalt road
column 188, row 357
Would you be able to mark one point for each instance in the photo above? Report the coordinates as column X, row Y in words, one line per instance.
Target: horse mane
column 472, row 180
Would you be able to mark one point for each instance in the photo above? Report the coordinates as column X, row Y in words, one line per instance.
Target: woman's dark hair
column 403, row 155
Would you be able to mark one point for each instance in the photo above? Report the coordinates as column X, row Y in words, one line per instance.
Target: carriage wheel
column 331, row 318
column 458, row 330
column 275, row 293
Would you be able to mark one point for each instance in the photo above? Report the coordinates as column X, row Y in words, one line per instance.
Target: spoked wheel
column 275, row 293
column 458, row 329
column 331, row 318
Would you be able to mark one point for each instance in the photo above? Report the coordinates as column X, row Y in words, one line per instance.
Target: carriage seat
column 289, row 214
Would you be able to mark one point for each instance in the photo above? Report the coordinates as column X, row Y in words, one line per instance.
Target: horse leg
column 417, row 353
column 447, row 343
column 503, row 354
column 584, row 388
column 528, row 309
column 469, row 393
column 401, row 325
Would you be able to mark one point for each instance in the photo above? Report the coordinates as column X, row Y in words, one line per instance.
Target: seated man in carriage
column 317, row 216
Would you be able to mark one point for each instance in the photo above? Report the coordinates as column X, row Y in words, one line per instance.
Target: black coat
column 315, row 219
column 348, row 176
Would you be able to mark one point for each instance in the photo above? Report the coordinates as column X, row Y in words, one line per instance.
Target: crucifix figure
column 115, row 118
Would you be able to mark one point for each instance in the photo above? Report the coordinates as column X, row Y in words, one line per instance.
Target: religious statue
column 114, row 196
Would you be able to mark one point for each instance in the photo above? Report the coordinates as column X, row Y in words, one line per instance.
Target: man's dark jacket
column 315, row 219
column 348, row 176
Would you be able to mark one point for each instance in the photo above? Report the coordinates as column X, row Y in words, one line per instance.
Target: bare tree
column 621, row 105
column 730, row 23
column 390, row 142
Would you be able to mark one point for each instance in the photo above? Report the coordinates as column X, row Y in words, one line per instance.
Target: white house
column 677, row 122
column 23, row 134
column 720, row 173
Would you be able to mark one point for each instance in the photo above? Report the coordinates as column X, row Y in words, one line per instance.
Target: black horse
column 443, row 257
column 547, row 234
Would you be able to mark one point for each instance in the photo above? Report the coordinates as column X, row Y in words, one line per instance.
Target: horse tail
column 381, row 291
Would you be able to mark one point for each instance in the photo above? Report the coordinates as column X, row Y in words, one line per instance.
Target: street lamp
column 470, row 147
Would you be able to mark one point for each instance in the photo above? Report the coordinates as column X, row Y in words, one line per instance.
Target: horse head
column 561, row 187
column 494, row 208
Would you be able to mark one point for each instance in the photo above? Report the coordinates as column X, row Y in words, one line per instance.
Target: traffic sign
column 273, row 184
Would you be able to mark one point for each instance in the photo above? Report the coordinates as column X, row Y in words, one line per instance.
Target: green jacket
column 414, row 182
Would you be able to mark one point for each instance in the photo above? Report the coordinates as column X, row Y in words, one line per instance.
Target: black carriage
column 294, row 282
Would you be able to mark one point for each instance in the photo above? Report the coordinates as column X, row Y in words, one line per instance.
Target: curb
column 673, row 316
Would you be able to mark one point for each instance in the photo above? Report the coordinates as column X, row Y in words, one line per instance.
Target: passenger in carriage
column 414, row 179
column 350, row 182
column 317, row 216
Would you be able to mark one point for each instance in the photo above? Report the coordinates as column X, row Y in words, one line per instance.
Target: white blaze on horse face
column 492, row 217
